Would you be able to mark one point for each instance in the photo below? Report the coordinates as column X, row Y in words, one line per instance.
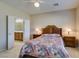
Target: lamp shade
column 38, row 31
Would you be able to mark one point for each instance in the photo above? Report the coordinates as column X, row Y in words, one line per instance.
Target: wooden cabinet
column 70, row 41
column 18, row 36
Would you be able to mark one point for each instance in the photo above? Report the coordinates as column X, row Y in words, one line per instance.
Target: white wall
column 7, row 10
column 77, row 22
column 19, row 26
column 61, row 19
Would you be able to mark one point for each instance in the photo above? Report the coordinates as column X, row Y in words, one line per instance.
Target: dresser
column 70, row 41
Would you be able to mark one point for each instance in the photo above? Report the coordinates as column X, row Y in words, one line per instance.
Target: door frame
column 7, row 32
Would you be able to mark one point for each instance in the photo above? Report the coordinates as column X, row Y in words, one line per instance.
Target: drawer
column 68, row 44
column 69, row 40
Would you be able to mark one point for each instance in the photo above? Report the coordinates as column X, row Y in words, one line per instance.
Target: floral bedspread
column 45, row 46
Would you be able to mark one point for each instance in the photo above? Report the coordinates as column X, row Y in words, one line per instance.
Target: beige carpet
column 14, row 53
column 73, row 52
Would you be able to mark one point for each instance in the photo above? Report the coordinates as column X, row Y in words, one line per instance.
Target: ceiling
column 47, row 6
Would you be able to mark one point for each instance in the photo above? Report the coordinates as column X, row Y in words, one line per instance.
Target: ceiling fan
column 35, row 2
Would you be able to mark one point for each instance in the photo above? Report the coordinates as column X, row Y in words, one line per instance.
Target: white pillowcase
column 53, row 35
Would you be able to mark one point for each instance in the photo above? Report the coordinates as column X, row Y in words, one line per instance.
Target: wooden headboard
column 51, row 29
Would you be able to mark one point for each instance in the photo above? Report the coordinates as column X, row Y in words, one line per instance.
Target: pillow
column 51, row 35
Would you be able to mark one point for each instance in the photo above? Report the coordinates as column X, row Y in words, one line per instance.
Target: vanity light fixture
column 19, row 20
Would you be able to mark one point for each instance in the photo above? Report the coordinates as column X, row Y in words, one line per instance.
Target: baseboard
column 2, row 50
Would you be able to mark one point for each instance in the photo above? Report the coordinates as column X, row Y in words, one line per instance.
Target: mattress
column 45, row 46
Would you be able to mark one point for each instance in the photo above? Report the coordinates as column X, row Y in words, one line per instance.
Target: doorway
column 15, row 27
column 18, row 30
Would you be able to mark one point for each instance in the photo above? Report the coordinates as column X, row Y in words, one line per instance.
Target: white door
column 11, row 28
column 26, row 30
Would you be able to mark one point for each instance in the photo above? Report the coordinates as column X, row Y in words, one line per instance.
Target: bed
column 48, row 45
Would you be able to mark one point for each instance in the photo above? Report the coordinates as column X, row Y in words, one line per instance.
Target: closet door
column 2, row 32
column 11, row 28
column 26, row 30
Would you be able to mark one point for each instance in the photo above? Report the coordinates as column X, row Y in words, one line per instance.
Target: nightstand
column 70, row 41
column 36, row 35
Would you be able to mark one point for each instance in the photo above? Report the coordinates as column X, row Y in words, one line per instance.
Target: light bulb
column 36, row 4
